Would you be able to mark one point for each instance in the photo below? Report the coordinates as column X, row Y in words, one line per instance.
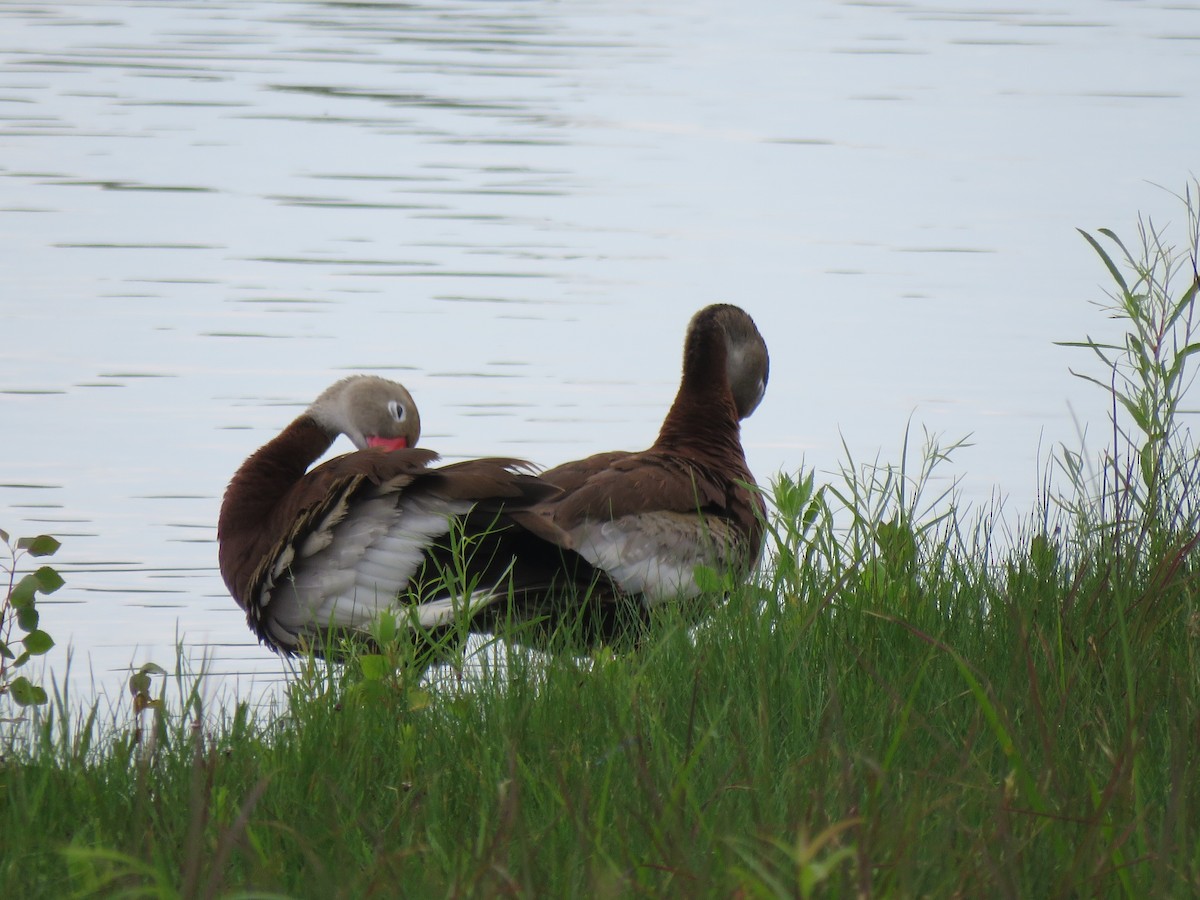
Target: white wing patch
column 347, row 573
column 655, row 554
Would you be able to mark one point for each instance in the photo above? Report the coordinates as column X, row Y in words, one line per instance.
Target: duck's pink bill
column 398, row 443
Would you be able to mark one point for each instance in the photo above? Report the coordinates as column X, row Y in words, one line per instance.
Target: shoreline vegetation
column 911, row 699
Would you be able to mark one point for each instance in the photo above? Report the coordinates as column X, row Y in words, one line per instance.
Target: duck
column 311, row 554
column 630, row 529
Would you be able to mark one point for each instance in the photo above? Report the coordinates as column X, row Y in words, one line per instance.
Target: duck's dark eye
column 396, row 408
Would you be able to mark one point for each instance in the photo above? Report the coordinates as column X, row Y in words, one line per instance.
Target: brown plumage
column 305, row 553
column 631, row 528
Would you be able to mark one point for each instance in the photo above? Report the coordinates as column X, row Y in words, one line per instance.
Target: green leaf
column 27, row 618
column 1108, row 388
column 1181, row 358
column 42, row 545
column 386, row 629
column 708, row 580
column 367, row 692
column 1183, row 305
column 23, row 592
column 26, row 693
column 3, row 536
column 1140, row 418
column 1112, row 269
column 1189, row 296
column 139, row 683
column 1112, row 236
column 37, row 642
column 897, row 543
column 5, row 652
column 1149, row 463
column 374, row 666
column 1002, row 735
column 813, row 873
column 1042, row 553
column 48, row 580
column 1089, row 344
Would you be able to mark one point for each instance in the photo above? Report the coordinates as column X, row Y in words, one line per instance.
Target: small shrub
column 19, row 614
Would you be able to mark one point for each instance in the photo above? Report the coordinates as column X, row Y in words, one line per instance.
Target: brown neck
column 264, row 478
column 703, row 419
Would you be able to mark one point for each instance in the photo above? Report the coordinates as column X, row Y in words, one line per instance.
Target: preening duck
column 643, row 522
column 306, row 553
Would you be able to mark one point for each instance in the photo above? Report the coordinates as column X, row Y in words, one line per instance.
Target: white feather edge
column 654, row 554
column 357, row 562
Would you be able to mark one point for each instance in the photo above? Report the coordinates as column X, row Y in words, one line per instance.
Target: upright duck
column 643, row 522
column 312, row 553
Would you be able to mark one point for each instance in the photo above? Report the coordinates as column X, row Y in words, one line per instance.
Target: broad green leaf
column 48, row 580
column 42, row 545
column 5, row 652
column 374, row 666
column 3, row 536
column 37, row 642
column 386, row 629
column 27, row 618
column 23, row 592
column 26, row 693
column 1148, row 461
column 1137, row 347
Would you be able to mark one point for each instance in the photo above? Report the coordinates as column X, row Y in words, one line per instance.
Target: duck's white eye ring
column 397, row 410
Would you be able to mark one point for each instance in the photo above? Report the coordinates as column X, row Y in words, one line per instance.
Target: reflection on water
column 209, row 212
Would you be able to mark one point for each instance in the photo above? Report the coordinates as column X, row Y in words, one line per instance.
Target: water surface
column 208, row 212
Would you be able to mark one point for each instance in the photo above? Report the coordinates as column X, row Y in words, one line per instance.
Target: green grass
column 912, row 700
column 877, row 743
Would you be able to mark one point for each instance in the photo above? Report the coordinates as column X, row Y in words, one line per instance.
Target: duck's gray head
column 371, row 411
